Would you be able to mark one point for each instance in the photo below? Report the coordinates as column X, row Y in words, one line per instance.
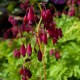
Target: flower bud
column 39, row 55
column 30, row 15
column 46, row 16
column 43, row 37
column 16, row 53
column 23, row 50
column 29, row 49
column 57, row 55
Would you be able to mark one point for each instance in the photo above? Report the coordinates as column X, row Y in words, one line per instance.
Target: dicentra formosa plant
column 41, row 32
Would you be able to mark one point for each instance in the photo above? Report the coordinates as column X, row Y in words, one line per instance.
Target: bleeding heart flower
column 26, row 73
column 46, row 16
column 29, row 49
column 57, row 55
column 16, row 53
column 23, row 50
column 43, row 37
column 30, row 15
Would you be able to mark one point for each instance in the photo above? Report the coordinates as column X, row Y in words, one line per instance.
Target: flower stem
column 40, row 45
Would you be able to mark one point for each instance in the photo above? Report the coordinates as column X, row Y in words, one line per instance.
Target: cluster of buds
column 23, row 50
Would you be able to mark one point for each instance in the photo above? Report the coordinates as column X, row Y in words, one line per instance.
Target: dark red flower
column 16, row 53
column 46, row 16
column 51, row 29
column 29, row 49
column 39, row 55
column 30, row 15
column 23, row 50
column 26, row 73
column 43, row 37
column 57, row 54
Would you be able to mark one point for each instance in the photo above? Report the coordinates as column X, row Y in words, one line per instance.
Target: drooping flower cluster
column 50, row 26
column 23, row 50
column 47, row 30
